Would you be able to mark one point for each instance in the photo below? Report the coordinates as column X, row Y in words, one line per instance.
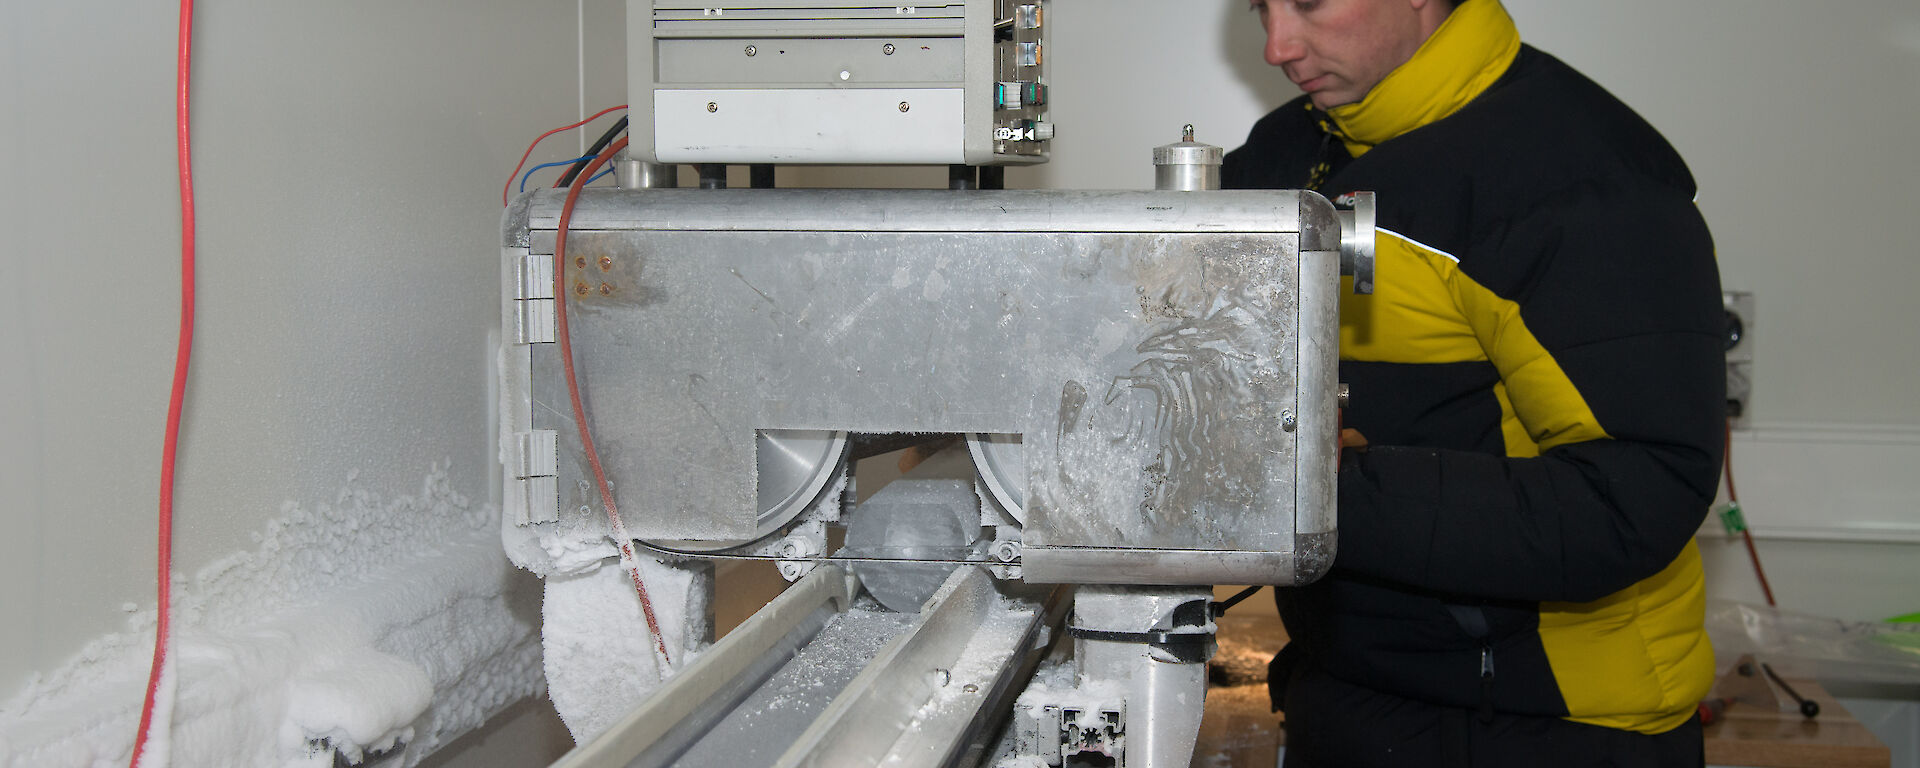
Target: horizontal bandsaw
column 1138, row 391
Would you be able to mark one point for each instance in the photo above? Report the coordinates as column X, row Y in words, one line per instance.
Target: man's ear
column 1432, row 12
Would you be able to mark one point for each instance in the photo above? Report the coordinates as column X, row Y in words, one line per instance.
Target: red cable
column 536, row 142
column 1732, row 495
column 573, row 393
column 1734, row 498
column 183, row 354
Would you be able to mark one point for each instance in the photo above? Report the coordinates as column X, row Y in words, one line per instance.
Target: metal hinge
column 533, row 321
column 533, row 494
column 532, row 277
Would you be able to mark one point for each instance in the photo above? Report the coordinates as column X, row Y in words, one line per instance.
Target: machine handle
column 1356, row 238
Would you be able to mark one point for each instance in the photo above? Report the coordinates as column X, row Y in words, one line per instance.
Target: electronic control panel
column 839, row 82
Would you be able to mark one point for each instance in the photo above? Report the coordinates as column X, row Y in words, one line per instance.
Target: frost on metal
column 600, row 659
column 356, row 627
column 1158, row 353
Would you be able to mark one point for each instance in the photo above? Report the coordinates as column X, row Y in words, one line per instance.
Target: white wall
column 348, row 163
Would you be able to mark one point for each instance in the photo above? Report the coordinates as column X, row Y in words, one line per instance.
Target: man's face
column 1338, row 50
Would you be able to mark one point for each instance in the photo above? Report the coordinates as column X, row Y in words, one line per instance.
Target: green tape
column 1731, row 518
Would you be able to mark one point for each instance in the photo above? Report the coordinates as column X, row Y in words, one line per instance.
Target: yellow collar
column 1469, row 51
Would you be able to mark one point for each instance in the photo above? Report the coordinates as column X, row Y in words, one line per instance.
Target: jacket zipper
column 1486, row 682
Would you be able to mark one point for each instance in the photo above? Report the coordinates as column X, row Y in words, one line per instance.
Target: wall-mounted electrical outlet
column 1739, row 341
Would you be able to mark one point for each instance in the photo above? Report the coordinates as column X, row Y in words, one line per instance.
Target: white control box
column 838, row 82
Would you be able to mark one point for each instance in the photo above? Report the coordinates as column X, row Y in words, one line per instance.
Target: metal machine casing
column 1169, row 359
column 826, row 81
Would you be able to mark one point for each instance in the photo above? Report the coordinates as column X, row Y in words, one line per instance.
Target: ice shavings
column 764, row 724
column 963, row 688
column 1057, row 684
column 358, row 627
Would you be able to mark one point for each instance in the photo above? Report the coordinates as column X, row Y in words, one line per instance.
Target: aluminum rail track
column 812, row 680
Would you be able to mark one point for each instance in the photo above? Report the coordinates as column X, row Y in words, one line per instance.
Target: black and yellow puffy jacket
column 1539, row 376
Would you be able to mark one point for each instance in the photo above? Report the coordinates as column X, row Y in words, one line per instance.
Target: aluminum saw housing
column 1168, row 359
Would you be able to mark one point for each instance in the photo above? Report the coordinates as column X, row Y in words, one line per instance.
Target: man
column 1540, row 379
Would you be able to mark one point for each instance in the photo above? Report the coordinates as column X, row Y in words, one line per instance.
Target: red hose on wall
column 183, row 354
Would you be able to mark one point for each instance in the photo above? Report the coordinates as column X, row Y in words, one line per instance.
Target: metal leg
column 1139, row 684
column 962, row 177
column 760, row 176
column 637, row 174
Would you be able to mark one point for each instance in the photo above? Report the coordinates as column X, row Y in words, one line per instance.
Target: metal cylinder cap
column 1187, row 165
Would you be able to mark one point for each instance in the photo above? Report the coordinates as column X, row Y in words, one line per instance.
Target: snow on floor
column 365, row 626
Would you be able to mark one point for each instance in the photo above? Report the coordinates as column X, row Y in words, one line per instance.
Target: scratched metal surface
column 1147, row 370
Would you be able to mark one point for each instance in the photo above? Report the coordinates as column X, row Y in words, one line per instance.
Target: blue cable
column 529, row 174
column 596, row 177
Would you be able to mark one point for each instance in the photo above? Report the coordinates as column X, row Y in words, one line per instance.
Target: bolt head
column 752, row 50
column 887, row 49
column 713, row 107
column 905, row 106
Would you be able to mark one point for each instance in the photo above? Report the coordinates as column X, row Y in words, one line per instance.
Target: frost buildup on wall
column 355, row 628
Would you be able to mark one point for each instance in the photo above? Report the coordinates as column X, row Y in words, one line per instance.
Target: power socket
column 1739, row 345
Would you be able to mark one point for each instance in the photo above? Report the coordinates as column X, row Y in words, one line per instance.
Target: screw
column 606, row 290
column 606, row 263
column 752, row 50
column 887, row 49
column 586, row 510
column 580, row 288
column 713, row 107
column 970, row 688
column 580, row 262
column 905, row 106
column 1287, row 420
